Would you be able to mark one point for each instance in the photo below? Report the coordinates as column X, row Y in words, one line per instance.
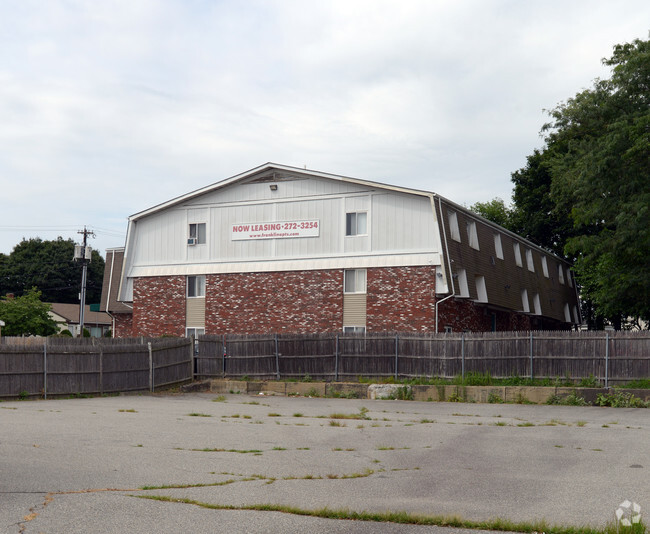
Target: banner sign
column 275, row 230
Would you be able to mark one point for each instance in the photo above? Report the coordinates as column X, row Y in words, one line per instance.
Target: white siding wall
column 401, row 230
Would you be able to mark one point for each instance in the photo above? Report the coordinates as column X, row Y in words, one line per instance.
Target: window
column 576, row 317
column 498, row 249
column 537, row 304
column 354, row 329
column 356, row 223
column 472, row 236
column 524, row 301
column 569, row 278
column 448, row 329
column 517, row 250
column 196, row 234
column 453, row 225
column 481, row 290
column 354, row 281
column 195, row 333
column 195, row 286
column 544, row 266
column 567, row 313
column 529, row 260
column 463, row 288
column 560, row 274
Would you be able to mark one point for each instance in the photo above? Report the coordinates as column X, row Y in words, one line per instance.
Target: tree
column 49, row 266
column 598, row 156
column 494, row 210
column 535, row 215
column 27, row 315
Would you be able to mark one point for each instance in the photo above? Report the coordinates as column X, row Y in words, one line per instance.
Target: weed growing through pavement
column 130, row 410
column 197, row 414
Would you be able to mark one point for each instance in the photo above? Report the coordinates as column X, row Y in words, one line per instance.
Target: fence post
column 336, row 360
column 101, row 370
column 396, row 354
column 531, row 355
column 606, row 359
column 462, row 355
column 193, row 359
column 151, row 384
column 277, row 358
column 224, row 351
column 45, row 370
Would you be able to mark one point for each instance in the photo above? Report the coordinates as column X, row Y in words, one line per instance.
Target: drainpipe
column 451, row 278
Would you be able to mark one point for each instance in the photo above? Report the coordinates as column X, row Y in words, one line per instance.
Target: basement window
column 354, row 329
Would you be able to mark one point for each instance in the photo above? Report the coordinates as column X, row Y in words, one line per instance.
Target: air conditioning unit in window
column 191, row 241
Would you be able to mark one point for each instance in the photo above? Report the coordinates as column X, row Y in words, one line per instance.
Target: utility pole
column 83, row 253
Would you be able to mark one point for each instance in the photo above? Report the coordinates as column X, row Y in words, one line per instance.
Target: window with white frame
column 544, row 266
column 498, row 248
column 463, row 288
column 354, row 329
column 529, row 260
column 195, row 286
column 472, row 236
column 567, row 313
column 354, row 281
column 569, row 277
column 453, row 226
column 560, row 274
column 481, row 290
column 517, row 251
column 537, row 304
column 524, row 301
column 448, row 329
column 356, row 223
column 196, row 234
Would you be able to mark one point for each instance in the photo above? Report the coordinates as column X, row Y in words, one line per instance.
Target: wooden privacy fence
column 60, row 366
column 609, row 357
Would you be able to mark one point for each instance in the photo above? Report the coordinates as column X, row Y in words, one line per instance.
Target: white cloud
column 109, row 108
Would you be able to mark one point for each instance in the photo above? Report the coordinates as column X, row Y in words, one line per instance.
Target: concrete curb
column 480, row 394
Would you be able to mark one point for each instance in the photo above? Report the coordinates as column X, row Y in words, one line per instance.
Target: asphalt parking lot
column 80, row 465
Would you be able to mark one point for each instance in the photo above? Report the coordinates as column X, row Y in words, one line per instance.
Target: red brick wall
column 401, row 299
column 123, row 324
column 465, row 314
column 159, row 306
column 254, row 303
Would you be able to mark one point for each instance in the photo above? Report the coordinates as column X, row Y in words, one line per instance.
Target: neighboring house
column 283, row 249
column 67, row 315
column 119, row 313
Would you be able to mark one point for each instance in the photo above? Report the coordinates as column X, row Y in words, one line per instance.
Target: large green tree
column 494, row 210
column 587, row 193
column 26, row 315
column 49, row 266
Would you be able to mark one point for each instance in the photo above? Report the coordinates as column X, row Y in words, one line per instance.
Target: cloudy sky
column 110, row 107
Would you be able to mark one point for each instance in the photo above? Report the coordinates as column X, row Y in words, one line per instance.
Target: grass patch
column 273, row 414
column 405, row 518
column 130, row 410
column 238, row 451
column 198, row 414
column 220, row 398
